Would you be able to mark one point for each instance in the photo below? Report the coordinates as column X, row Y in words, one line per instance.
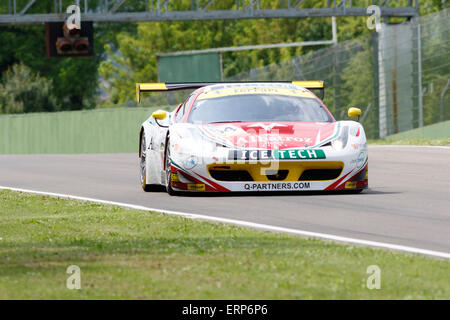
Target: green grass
column 144, row 255
column 418, row 142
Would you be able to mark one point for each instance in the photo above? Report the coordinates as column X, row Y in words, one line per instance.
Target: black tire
column 355, row 191
column 143, row 169
column 169, row 189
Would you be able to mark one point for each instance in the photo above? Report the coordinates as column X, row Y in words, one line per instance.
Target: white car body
column 253, row 156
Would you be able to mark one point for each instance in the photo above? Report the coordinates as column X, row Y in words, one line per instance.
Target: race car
column 251, row 136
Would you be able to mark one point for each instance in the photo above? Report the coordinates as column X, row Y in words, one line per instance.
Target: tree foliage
column 136, row 61
column 75, row 80
column 128, row 50
column 23, row 91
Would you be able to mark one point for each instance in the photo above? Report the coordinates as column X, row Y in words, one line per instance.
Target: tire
column 355, row 191
column 143, row 169
column 169, row 189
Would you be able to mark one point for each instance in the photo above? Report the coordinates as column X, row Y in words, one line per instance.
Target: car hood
column 269, row 135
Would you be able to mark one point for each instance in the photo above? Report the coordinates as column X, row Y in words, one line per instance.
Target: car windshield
column 258, row 107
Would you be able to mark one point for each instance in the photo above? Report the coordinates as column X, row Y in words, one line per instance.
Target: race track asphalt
column 408, row 202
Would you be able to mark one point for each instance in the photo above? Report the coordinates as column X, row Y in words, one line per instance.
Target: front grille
column 231, row 175
column 277, row 175
column 320, row 174
column 285, row 171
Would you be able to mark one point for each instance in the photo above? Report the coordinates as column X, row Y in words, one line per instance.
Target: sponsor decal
column 244, row 90
column 190, row 162
column 354, row 130
column 196, row 186
column 361, row 159
column 350, row 185
column 225, row 130
column 298, row 154
column 174, row 177
column 263, row 140
column 270, row 186
column 268, row 127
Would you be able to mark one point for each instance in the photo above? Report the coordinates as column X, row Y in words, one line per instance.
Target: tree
column 134, row 60
column 23, row 91
column 130, row 49
column 75, row 80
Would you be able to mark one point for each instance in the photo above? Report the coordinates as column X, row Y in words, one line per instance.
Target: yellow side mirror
column 159, row 114
column 354, row 112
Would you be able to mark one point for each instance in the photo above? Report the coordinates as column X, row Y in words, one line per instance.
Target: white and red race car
column 251, row 136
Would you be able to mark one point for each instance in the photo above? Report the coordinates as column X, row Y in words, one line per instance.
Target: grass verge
column 130, row 254
column 418, row 142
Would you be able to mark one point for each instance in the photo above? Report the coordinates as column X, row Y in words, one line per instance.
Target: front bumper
column 344, row 170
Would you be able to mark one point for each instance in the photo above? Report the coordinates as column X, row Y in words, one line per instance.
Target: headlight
column 200, row 148
column 340, row 142
column 187, row 142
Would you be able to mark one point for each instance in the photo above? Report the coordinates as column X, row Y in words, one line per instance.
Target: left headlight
column 199, row 147
column 341, row 142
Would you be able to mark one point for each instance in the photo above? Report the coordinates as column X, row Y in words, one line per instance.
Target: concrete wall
column 439, row 130
column 89, row 131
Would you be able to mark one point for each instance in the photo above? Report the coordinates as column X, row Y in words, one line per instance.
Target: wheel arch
column 166, row 145
column 140, row 141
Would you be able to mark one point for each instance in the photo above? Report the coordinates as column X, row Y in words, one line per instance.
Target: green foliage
column 435, row 69
column 358, row 87
column 75, row 80
column 23, row 91
column 135, row 60
column 414, row 142
column 128, row 50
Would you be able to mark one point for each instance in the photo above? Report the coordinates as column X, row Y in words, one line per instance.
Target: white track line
column 405, row 146
column 246, row 224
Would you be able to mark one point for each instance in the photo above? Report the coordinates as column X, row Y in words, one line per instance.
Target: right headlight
column 340, row 142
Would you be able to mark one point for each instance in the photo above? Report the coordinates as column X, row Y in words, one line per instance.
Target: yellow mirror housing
column 159, row 114
column 354, row 112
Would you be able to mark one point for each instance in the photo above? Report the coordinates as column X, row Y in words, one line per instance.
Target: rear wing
column 315, row 85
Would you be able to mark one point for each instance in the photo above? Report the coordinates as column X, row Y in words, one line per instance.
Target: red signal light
column 63, row 45
column 69, row 39
column 81, row 44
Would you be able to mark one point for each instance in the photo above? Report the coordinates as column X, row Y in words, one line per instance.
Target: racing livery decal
column 276, row 154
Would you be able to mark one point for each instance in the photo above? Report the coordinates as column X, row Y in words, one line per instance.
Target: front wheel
column 143, row 168
column 168, row 165
column 356, row 191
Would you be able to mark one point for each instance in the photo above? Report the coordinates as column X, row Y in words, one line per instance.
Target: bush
column 22, row 91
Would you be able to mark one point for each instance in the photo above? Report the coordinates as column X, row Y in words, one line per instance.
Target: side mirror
column 159, row 114
column 354, row 112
